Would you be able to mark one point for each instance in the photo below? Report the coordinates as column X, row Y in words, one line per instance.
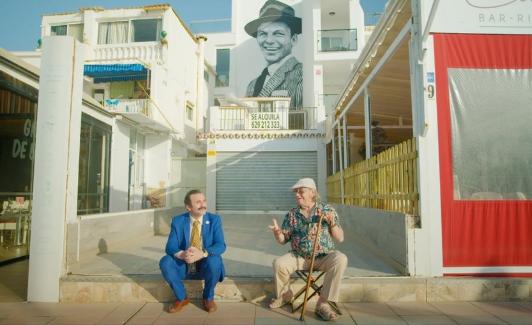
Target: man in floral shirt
column 299, row 228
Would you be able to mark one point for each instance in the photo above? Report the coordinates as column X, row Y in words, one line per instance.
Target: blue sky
column 20, row 20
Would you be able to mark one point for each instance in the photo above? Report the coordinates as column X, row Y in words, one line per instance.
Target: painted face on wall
column 275, row 40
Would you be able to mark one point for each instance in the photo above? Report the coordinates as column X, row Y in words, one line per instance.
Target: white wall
column 356, row 20
column 119, row 168
column 427, row 240
column 341, row 10
column 157, row 161
column 208, row 93
column 180, row 82
column 90, row 27
column 286, row 144
column 187, row 174
column 56, row 164
column 31, row 57
column 307, row 45
column 424, row 243
column 165, row 111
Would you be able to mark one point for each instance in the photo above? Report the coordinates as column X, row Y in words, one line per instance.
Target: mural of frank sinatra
column 276, row 31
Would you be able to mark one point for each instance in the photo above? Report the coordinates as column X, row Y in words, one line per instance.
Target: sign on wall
column 483, row 16
column 24, row 146
column 265, row 121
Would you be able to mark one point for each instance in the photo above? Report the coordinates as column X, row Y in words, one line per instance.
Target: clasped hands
column 191, row 255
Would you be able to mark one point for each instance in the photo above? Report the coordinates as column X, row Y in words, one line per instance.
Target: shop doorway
column 18, row 109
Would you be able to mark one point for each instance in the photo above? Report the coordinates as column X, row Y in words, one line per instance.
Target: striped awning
column 115, row 72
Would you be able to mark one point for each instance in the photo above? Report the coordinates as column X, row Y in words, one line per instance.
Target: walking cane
column 313, row 257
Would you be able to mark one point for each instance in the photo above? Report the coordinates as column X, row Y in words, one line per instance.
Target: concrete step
column 152, row 288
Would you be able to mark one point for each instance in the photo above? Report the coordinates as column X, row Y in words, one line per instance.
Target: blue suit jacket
column 212, row 235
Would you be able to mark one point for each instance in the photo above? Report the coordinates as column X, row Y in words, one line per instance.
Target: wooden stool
column 316, row 289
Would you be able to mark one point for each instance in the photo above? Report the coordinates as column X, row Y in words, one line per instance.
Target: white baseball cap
column 305, row 182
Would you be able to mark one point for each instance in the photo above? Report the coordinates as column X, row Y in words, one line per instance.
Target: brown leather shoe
column 178, row 305
column 209, row 305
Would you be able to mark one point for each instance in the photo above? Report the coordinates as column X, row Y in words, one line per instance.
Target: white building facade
column 449, row 83
column 146, row 85
column 146, row 69
column 258, row 145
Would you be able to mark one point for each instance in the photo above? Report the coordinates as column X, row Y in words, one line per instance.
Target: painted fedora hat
column 274, row 10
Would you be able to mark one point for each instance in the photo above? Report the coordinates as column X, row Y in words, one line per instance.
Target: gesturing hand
column 277, row 232
column 275, row 226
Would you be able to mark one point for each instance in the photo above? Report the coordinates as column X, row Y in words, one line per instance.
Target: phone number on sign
column 265, row 124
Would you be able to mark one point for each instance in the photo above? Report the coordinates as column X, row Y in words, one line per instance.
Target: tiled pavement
column 474, row 313
column 14, row 282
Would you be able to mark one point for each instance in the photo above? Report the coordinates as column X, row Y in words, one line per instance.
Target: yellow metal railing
column 386, row 181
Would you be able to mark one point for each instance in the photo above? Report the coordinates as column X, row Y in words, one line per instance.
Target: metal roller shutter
column 261, row 181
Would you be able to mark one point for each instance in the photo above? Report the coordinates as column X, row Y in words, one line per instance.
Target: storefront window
column 18, row 108
column 94, row 158
column 491, row 134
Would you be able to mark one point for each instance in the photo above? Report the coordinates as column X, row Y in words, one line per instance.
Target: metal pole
column 333, row 155
column 367, row 119
column 340, row 153
column 346, row 157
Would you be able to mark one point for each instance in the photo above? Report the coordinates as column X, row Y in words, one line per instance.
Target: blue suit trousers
column 174, row 272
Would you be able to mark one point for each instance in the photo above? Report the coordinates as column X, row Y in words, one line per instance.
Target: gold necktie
column 195, row 239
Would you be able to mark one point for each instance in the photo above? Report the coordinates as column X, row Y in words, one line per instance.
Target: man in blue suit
column 195, row 247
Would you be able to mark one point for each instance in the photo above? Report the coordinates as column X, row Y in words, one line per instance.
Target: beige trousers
column 334, row 264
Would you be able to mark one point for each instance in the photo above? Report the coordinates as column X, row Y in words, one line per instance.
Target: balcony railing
column 143, row 111
column 337, row 40
column 133, row 51
column 254, row 118
column 139, row 106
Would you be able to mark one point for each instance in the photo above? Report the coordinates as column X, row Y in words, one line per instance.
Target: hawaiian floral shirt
column 301, row 231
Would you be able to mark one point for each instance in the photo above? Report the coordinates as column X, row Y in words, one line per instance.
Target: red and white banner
column 483, row 96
